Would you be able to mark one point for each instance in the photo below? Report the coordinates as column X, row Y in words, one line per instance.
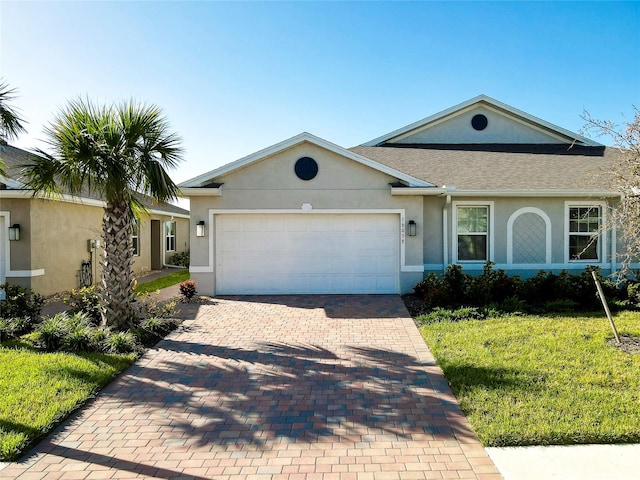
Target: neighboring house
column 56, row 235
column 480, row 181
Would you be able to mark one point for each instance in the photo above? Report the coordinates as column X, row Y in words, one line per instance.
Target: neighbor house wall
column 142, row 261
column 59, row 235
column 18, row 211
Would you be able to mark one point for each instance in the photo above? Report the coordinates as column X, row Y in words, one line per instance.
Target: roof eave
column 549, row 193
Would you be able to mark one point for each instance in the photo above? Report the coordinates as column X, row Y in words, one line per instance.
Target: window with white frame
column 135, row 237
column 472, row 226
column 584, row 227
column 170, row 236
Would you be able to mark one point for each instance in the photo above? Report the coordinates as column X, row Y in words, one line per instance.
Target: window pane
column 584, row 219
column 472, row 219
column 472, row 247
column 583, row 247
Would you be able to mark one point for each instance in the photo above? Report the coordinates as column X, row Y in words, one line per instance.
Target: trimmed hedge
column 495, row 289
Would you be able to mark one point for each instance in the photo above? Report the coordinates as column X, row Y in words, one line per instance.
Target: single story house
column 481, row 181
column 54, row 245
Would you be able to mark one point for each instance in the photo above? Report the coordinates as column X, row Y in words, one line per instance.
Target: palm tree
column 10, row 121
column 116, row 152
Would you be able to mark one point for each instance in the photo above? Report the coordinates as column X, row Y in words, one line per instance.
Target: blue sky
column 236, row 77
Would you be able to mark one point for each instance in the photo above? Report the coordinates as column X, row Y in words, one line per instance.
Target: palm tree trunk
column 117, row 276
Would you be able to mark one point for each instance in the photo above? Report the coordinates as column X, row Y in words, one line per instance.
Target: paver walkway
column 291, row 387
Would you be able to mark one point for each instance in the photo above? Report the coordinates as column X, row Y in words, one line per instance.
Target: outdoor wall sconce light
column 200, row 229
column 14, row 232
column 412, row 228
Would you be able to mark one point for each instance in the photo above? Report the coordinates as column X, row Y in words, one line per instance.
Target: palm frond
column 11, row 123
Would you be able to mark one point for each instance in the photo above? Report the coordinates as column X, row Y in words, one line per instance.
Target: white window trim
column 547, row 224
column 136, row 224
column 166, row 235
column 454, row 228
column 602, row 234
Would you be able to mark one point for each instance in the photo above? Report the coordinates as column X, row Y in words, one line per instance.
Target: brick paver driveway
column 316, row 387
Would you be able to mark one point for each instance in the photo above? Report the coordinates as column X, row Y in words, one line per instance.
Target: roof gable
column 504, row 125
column 209, row 177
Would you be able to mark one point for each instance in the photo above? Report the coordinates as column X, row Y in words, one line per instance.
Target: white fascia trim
column 90, row 202
column 454, row 229
column 11, row 183
column 201, row 192
column 535, row 193
column 28, row 194
column 602, row 241
column 425, row 191
column 25, row 273
column 292, row 142
column 469, row 103
column 168, row 214
column 305, row 210
column 547, row 224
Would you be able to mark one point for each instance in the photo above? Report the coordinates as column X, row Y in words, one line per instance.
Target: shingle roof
column 15, row 158
column 470, row 169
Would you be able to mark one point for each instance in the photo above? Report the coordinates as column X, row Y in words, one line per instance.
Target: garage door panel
column 315, row 253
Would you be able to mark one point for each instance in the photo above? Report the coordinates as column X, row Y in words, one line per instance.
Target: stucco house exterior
column 57, row 237
column 477, row 182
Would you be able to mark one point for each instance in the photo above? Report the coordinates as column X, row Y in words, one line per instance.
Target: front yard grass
column 528, row 380
column 37, row 390
column 162, row 282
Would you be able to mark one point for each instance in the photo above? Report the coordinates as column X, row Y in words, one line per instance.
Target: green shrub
column 561, row 306
column 188, row 289
column 181, row 259
column 120, row 342
column 15, row 327
column 51, row 331
column 98, row 336
column 148, row 306
column 501, row 292
column 633, row 293
column 492, row 286
column 86, row 300
column 445, row 315
column 20, row 302
column 151, row 330
column 79, row 339
column 510, row 305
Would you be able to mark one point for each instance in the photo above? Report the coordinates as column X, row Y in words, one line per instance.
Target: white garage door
column 307, row 253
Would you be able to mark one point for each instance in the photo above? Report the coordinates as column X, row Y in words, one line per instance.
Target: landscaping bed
column 50, row 366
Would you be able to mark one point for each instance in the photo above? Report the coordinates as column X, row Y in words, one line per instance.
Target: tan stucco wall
column 271, row 184
column 142, row 262
column 59, row 235
column 54, row 237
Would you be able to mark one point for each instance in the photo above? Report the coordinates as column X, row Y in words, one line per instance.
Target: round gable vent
column 479, row 122
column 306, row 168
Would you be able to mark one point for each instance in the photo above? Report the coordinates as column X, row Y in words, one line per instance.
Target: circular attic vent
column 479, row 122
column 306, row 168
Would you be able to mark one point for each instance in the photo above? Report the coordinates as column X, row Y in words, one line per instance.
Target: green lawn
column 542, row 380
column 37, row 390
column 162, row 282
